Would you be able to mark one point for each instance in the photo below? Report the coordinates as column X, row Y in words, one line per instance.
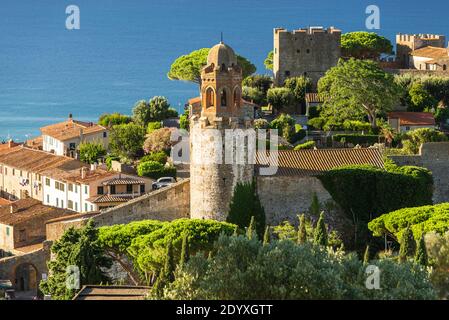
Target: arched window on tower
column 223, row 67
column 444, row 67
column 237, row 97
column 223, row 98
column 209, row 97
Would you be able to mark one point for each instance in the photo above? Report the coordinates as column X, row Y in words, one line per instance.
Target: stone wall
column 165, row 204
column 37, row 259
column 435, row 157
column 283, row 198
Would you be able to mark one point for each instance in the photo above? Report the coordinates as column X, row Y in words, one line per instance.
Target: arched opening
column 26, row 279
column 444, row 67
column 223, row 98
column 210, row 98
column 223, row 67
column 237, row 97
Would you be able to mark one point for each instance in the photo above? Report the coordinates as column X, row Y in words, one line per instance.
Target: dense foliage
column 158, row 140
column 246, row 269
column 160, row 157
column 280, row 98
column 305, row 145
column 90, row 152
column 79, row 248
column 126, row 140
column 299, row 86
column 188, row 67
column 245, row 204
column 413, row 140
column 365, row 192
column 364, row 45
column 155, row 170
column 156, row 109
column 421, row 219
column 112, row 119
column 268, row 62
column 356, row 88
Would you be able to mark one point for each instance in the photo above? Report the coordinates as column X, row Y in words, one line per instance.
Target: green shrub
column 155, row 170
column 305, row 145
column 355, row 139
column 355, row 125
column 313, row 112
column 365, row 192
column 111, row 119
column 160, row 157
column 153, row 126
column 415, row 138
column 424, row 219
column 244, row 269
column 317, row 123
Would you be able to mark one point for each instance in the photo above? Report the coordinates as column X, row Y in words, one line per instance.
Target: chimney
column 10, row 143
column 93, row 166
column 70, row 117
column 81, row 134
column 13, row 208
column 83, row 172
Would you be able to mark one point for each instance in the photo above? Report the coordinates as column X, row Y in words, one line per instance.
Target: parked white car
column 163, row 182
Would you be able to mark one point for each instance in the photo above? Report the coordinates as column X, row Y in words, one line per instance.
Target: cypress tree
column 185, row 254
column 314, row 209
column 408, row 245
column 320, row 236
column 366, row 256
column 250, row 231
column 245, row 203
column 266, row 236
column 170, row 266
column 302, row 232
column 421, row 256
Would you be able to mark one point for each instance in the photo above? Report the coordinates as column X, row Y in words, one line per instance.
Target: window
column 112, row 189
column 407, row 128
column 85, row 190
column 76, row 206
column 85, row 207
column 129, row 188
column 61, row 186
column 91, row 208
column 287, row 73
column 105, row 134
column 72, row 146
column 62, row 203
column 57, row 202
column 47, row 182
column 210, row 97
column 48, row 198
column 21, row 173
column 70, row 204
column 223, row 98
column 22, row 235
column 7, row 231
column 13, row 172
column 100, row 190
column 6, row 171
column 70, row 187
column 298, row 51
column 444, row 67
column 308, row 50
column 76, row 188
column 223, row 67
column 142, row 188
column 237, row 97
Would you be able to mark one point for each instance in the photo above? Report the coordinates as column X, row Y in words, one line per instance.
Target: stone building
column 409, row 53
column 221, row 112
column 305, row 52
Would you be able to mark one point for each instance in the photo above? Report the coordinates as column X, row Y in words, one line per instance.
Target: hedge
column 160, row 157
column 364, row 192
column 155, row 170
column 305, row 145
column 420, row 219
column 356, row 138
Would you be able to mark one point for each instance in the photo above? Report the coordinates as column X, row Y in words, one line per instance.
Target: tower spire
column 221, row 37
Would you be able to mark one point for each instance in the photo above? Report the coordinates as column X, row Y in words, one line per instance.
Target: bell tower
column 212, row 177
column 221, row 84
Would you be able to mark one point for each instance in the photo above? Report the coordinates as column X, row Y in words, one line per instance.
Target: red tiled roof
column 105, row 198
column 70, row 129
column 413, row 118
column 313, row 162
column 431, row 52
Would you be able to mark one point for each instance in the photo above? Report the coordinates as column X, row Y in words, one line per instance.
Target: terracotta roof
column 28, row 209
column 37, row 161
column 112, row 293
column 90, row 175
column 313, row 162
column 413, row 118
column 430, row 52
column 8, row 145
column 4, row 201
column 70, row 129
column 35, row 143
column 125, row 180
column 110, row 198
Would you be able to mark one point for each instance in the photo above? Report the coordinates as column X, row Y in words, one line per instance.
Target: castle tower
column 212, row 175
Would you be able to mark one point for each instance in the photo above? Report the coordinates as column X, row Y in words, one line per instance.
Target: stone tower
column 306, row 52
column 213, row 174
column 406, row 43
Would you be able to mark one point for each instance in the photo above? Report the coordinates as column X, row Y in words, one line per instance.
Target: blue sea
column 123, row 49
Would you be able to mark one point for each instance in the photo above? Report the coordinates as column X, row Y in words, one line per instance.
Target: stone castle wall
column 283, row 198
column 309, row 52
column 166, row 204
column 435, row 157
